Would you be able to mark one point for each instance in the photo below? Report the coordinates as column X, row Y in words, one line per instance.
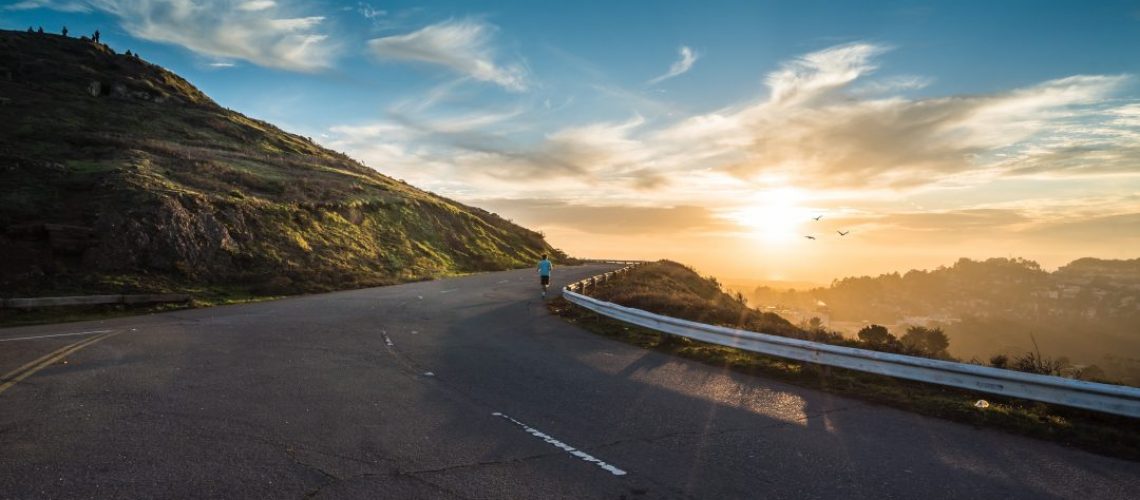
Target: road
column 464, row 388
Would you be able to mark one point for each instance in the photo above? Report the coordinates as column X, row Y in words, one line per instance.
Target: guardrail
column 1107, row 398
column 613, row 261
column 91, row 300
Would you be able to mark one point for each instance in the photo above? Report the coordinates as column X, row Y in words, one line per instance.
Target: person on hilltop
column 41, row 30
column 30, row 30
column 65, row 31
column 544, row 267
column 95, row 36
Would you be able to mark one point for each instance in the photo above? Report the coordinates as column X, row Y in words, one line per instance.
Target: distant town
column 1088, row 310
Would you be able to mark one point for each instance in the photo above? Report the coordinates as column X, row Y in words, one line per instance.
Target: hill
column 1086, row 312
column 117, row 175
column 673, row 289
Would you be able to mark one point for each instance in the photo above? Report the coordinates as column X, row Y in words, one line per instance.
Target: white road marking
column 387, row 340
column 559, row 444
column 421, row 297
column 429, row 374
column 415, row 332
column 92, row 332
column 449, row 291
column 504, row 281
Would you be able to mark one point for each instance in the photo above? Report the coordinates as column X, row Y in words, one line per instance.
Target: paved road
column 465, row 388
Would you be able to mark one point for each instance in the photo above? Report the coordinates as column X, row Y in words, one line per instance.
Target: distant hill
column 117, row 175
column 1087, row 311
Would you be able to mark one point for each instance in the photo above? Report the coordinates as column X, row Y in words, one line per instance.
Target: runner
column 544, row 267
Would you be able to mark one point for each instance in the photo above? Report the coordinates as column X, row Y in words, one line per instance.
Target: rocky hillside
column 119, row 176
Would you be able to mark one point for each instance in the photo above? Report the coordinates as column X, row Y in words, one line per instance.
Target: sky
column 713, row 133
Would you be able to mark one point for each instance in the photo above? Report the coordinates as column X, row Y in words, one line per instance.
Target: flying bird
column 843, row 233
column 818, row 217
column 810, row 237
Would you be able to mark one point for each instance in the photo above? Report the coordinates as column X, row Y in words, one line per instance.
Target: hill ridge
column 118, row 175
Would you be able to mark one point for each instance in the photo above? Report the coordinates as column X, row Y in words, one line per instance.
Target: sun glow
column 776, row 217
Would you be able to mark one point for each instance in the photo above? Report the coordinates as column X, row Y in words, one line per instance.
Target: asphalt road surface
column 463, row 388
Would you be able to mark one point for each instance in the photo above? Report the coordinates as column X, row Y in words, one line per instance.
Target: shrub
column 1032, row 362
column 930, row 342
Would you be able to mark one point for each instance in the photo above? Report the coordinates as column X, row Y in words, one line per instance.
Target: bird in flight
column 843, row 233
column 810, row 237
column 818, row 217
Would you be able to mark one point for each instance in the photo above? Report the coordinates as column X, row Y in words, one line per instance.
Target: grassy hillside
column 119, row 176
column 672, row 289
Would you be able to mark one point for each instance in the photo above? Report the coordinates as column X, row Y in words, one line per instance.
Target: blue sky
column 622, row 128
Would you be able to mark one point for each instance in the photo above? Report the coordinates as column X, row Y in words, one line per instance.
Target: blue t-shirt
column 544, row 267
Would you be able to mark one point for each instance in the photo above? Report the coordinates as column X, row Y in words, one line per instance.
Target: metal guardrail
column 1107, row 398
column 89, row 300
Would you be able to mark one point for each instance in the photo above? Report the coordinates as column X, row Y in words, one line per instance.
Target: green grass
column 162, row 181
column 665, row 284
column 52, row 315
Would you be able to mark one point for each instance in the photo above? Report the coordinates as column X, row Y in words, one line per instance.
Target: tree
column 931, row 342
column 815, row 323
column 876, row 336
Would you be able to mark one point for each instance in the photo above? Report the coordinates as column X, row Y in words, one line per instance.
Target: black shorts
column 545, row 279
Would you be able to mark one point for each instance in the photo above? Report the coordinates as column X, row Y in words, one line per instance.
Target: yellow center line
column 15, row 376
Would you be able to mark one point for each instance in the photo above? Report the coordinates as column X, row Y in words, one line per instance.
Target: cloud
column 1111, row 229
column 481, row 145
column 970, row 219
column 815, row 129
column 60, row 5
column 258, row 31
column 256, row 5
column 682, row 65
column 462, row 46
column 610, row 219
column 825, row 122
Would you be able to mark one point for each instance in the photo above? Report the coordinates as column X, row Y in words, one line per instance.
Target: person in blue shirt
column 544, row 267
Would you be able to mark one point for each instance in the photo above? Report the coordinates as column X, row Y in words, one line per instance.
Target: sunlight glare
column 776, row 216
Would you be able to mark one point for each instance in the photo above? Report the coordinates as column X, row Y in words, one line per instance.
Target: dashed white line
column 91, row 332
column 449, row 291
column 504, row 281
column 559, row 444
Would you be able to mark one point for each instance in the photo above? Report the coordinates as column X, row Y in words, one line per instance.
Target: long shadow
column 685, row 428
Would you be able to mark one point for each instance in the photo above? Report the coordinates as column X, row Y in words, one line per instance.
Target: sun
column 777, row 215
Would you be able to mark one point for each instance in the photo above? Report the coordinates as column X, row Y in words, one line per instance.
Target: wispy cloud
column 610, row 219
column 258, row 31
column 682, row 65
column 813, row 128
column 60, row 5
column 256, row 5
column 823, row 121
column 462, row 46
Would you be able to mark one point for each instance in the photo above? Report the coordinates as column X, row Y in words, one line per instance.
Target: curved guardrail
column 1115, row 399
